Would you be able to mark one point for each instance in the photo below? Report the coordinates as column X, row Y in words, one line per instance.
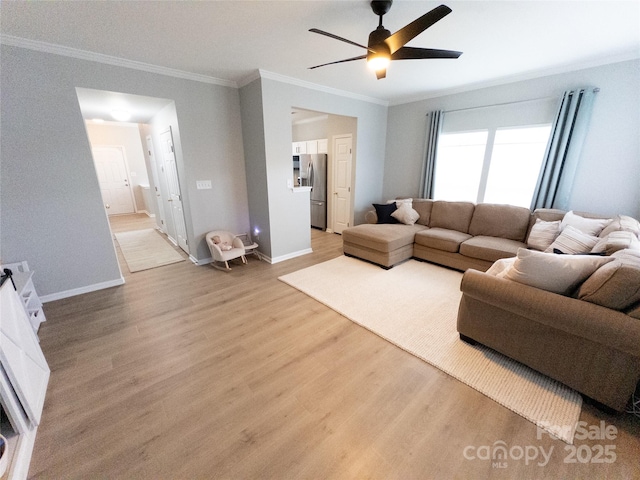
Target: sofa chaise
column 585, row 334
column 459, row 235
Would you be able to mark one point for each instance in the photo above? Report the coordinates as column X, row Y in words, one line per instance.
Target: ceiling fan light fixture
column 378, row 61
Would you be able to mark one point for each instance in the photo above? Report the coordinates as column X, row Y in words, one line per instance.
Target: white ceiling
column 230, row 40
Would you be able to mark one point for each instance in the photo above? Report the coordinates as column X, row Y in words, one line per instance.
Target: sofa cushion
column 490, row 248
column 451, row 215
column 384, row 211
column 504, row 221
column 554, row 273
column 634, row 311
column 548, row 214
column 543, row 234
column 383, row 238
column 615, row 285
column 441, row 239
column 423, row 206
column 573, row 241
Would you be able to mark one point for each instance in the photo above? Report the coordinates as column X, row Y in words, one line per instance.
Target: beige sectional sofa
column 460, row 235
column 586, row 336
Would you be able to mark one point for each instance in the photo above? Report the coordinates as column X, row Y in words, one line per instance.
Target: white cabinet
column 23, row 381
column 310, row 146
column 299, row 148
column 23, row 279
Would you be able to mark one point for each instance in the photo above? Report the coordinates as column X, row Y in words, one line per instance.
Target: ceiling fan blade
column 415, row 28
column 381, row 74
column 361, row 57
column 336, row 37
column 410, row 53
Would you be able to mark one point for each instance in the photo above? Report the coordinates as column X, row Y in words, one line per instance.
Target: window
column 495, row 166
column 459, row 165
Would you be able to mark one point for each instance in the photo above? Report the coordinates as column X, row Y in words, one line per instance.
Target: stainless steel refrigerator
column 313, row 173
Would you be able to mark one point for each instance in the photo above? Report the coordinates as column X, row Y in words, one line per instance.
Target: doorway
column 316, row 132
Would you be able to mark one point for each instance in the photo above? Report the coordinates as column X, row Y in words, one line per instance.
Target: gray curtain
column 563, row 150
column 431, row 151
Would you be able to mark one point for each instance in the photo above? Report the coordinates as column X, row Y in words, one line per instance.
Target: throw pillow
column 543, row 234
column 500, row 266
column 615, row 241
column 384, row 211
column 573, row 241
column 554, row 273
column 590, row 226
column 615, row 285
column 624, row 223
column 400, row 201
column 405, row 214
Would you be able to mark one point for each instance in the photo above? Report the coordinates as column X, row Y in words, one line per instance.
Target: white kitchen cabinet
column 299, row 148
column 312, row 146
column 323, row 146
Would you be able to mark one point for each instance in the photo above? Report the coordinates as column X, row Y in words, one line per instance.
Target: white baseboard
column 79, row 291
column 288, row 256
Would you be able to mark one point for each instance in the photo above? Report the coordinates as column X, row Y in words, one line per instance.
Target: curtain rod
column 595, row 90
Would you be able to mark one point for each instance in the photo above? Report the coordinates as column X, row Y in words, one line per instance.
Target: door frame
column 184, row 247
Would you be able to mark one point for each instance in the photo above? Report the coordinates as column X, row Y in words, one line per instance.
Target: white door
column 113, row 177
column 341, row 182
column 175, row 197
column 159, row 204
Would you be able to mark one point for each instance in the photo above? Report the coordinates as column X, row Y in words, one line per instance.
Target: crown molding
column 321, row 88
column 110, row 60
column 574, row 67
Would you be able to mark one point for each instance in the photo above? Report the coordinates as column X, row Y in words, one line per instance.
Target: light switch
column 203, row 184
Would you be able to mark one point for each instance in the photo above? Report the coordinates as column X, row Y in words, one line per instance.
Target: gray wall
column 608, row 180
column 52, row 213
column 256, row 165
column 288, row 211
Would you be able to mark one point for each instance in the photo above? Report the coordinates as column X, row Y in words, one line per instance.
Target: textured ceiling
column 230, row 40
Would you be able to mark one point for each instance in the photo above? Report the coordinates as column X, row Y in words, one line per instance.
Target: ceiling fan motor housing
column 376, row 43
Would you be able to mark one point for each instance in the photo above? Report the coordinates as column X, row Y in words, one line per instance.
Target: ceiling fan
column 384, row 47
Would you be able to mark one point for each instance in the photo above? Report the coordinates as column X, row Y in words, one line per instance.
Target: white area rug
column 145, row 249
column 414, row 305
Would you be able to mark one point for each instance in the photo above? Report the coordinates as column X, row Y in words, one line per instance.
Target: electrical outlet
column 203, row 184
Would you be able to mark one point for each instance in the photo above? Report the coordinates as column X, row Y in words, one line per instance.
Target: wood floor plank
column 189, row 372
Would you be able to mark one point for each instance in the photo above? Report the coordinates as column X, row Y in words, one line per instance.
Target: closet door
column 20, row 354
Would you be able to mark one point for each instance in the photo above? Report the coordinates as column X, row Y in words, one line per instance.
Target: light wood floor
column 190, row 372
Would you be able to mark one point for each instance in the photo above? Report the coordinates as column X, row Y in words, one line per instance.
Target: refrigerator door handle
column 311, row 173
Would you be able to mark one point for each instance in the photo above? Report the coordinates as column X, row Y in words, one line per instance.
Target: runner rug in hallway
column 145, row 249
